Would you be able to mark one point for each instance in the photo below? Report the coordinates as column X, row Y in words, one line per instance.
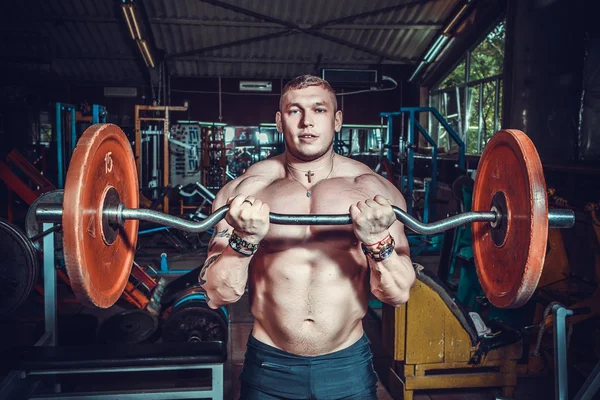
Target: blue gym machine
column 62, row 136
column 66, row 138
column 98, row 114
column 409, row 145
column 407, row 184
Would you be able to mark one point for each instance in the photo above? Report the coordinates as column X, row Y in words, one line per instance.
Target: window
column 456, row 77
column 470, row 96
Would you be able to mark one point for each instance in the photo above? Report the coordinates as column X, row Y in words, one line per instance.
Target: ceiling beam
column 74, row 57
column 243, row 24
column 230, row 44
column 297, row 28
column 287, row 61
column 255, row 24
column 78, row 18
column 370, row 13
column 22, row 58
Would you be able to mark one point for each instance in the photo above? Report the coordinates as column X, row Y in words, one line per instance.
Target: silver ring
column 248, row 201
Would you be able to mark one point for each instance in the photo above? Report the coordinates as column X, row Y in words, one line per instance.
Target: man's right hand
column 249, row 217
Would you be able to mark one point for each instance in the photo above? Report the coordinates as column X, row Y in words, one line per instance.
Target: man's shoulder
column 371, row 178
column 256, row 177
column 364, row 176
column 353, row 167
column 269, row 168
column 360, row 172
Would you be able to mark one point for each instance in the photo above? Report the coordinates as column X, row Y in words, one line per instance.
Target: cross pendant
column 308, row 175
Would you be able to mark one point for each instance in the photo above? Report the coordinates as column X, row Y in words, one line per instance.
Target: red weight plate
column 509, row 270
column 99, row 271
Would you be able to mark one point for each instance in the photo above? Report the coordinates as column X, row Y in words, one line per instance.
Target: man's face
column 308, row 121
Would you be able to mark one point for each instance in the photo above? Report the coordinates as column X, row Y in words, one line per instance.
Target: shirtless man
column 308, row 285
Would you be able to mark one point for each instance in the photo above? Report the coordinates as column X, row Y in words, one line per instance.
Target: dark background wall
column 553, row 63
column 252, row 109
column 552, row 91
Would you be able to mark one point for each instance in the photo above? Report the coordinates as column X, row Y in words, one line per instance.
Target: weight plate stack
column 19, row 267
column 192, row 320
column 131, row 326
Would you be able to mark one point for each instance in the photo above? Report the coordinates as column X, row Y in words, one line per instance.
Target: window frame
column 465, row 87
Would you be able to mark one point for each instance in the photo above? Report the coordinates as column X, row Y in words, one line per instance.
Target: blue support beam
column 98, row 114
column 64, row 154
column 431, row 185
column 59, row 145
column 407, row 182
column 410, row 161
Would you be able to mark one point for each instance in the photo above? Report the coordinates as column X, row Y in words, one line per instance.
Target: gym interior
column 480, row 112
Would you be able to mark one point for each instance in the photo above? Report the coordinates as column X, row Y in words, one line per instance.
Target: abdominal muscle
column 308, row 301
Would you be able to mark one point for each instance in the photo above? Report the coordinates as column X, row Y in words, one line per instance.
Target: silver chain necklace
column 309, row 173
column 308, row 190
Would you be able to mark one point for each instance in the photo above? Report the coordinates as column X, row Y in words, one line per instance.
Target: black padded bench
column 60, row 360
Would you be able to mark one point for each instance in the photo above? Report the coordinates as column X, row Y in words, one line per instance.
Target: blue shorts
column 271, row 373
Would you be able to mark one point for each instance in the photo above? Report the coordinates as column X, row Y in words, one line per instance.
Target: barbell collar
column 561, row 218
column 49, row 213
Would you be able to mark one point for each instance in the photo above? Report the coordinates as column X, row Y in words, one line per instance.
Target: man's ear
column 338, row 120
column 278, row 121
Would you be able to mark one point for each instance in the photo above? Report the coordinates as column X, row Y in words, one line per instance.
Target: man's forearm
column 223, row 277
column 392, row 278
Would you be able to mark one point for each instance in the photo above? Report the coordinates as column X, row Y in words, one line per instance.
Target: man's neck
column 310, row 172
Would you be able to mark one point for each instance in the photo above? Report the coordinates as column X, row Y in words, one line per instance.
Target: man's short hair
column 304, row 81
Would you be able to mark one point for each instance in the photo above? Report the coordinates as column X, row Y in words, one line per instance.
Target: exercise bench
column 27, row 365
column 30, row 364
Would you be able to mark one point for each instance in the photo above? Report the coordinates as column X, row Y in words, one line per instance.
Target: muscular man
column 308, row 285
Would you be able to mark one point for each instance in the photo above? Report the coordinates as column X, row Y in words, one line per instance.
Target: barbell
column 100, row 215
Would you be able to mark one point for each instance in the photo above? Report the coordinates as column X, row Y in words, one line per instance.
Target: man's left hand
column 371, row 219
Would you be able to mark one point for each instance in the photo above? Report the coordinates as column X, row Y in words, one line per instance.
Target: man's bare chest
column 331, row 197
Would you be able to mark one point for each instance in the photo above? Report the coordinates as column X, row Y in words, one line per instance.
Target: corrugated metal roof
column 87, row 39
column 79, row 39
column 305, row 12
column 400, row 34
column 96, row 70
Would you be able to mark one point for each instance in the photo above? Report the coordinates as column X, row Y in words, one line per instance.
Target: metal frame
column 214, row 392
column 61, row 152
column 340, row 143
column 164, row 267
column 463, row 125
column 98, row 114
column 18, row 380
column 49, row 289
column 138, row 140
column 292, row 28
column 411, row 143
column 561, row 388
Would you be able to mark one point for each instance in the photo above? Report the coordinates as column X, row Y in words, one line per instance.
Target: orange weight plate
column 99, row 258
column 509, row 255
